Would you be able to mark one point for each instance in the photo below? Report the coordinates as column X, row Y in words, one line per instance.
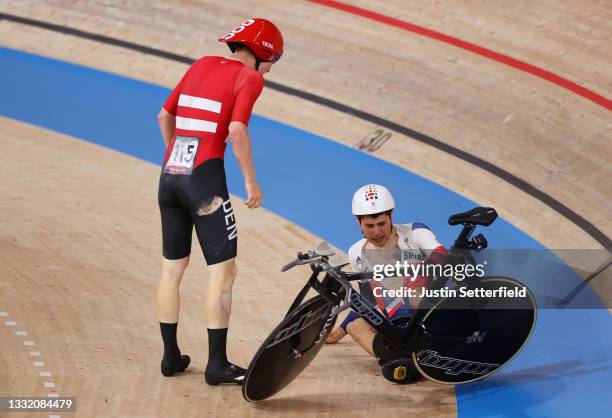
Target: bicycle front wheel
column 464, row 338
column 292, row 345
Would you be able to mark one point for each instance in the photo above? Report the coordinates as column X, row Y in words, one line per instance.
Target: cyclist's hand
column 254, row 194
column 335, row 336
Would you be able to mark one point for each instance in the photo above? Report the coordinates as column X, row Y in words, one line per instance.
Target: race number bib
column 183, row 155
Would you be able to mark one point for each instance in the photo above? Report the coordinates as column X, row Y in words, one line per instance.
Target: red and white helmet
column 372, row 199
column 260, row 35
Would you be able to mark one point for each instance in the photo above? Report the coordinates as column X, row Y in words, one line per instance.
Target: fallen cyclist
column 386, row 243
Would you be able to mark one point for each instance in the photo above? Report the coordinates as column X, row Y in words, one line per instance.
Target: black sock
column 217, row 341
column 171, row 350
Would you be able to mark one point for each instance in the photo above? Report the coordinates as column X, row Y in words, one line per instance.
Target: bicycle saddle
column 477, row 216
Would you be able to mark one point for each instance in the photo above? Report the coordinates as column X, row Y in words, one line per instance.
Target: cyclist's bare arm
column 241, row 143
column 166, row 121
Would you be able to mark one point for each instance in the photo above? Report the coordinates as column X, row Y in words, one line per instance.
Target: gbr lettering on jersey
column 408, row 255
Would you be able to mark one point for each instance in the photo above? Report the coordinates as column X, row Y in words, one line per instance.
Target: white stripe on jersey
column 199, row 103
column 196, row 125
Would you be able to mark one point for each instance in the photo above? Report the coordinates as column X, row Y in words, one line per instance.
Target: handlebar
column 318, row 262
column 302, row 258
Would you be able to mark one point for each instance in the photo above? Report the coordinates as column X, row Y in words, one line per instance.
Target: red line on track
column 496, row 56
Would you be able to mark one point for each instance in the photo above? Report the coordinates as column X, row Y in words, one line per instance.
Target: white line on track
column 30, row 343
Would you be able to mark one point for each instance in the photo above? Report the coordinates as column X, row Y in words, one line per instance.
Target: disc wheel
column 289, row 349
column 459, row 344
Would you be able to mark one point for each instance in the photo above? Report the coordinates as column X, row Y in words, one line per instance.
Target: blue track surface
column 564, row 371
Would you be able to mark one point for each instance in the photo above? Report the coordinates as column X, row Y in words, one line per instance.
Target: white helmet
column 371, row 199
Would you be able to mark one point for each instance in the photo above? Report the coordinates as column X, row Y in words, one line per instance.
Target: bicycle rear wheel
column 464, row 339
column 289, row 349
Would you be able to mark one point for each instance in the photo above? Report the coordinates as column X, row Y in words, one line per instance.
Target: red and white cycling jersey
column 213, row 92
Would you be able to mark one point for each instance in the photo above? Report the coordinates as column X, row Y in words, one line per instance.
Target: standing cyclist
column 212, row 101
column 385, row 243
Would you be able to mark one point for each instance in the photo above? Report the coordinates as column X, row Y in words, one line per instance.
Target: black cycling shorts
column 201, row 199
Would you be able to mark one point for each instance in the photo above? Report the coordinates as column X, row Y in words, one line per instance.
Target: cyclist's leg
column 395, row 367
column 220, row 254
column 176, row 233
column 168, row 299
column 215, row 226
column 219, row 297
column 222, row 266
column 177, row 226
column 362, row 333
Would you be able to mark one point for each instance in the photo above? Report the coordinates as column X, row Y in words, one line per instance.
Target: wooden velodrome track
column 81, row 268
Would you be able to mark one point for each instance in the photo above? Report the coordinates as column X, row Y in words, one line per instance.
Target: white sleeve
column 424, row 238
column 354, row 255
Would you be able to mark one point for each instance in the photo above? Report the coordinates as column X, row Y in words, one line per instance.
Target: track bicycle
column 451, row 340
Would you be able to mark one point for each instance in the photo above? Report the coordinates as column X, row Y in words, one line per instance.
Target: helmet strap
column 257, row 62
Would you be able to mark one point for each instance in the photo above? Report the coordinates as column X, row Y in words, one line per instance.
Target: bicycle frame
column 335, row 288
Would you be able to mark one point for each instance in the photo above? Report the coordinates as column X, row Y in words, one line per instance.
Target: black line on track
column 531, row 190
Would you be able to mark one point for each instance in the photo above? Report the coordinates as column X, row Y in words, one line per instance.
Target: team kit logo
column 241, row 28
column 371, row 194
column 304, row 322
column 364, row 310
column 230, row 220
column 454, row 366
